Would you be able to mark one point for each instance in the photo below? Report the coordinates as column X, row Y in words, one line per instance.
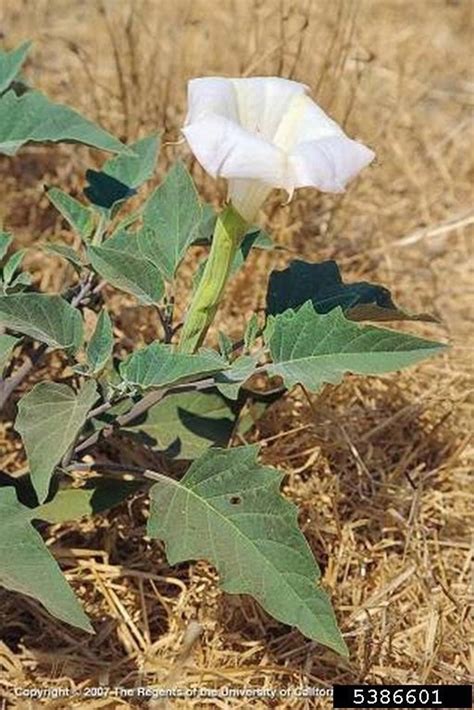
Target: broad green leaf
column 10, row 64
column 66, row 252
column 127, row 272
column 7, row 344
column 49, row 419
column 99, row 349
column 136, row 168
column 96, row 496
column 159, row 365
column 50, row 319
column 79, row 216
column 228, row 510
column 33, row 117
column 310, row 348
column 124, row 241
column 186, row 424
column 229, row 383
column 170, row 221
column 5, row 241
column 322, row 284
column 27, row 566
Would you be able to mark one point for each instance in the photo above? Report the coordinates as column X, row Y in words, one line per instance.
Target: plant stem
column 229, row 231
column 144, row 404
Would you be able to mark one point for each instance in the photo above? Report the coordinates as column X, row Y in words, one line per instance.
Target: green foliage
column 159, row 365
column 49, row 319
column 311, row 349
column 252, row 331
column 10, row 64
column 230, row 382
column 5, row 241
column 255, row 238
column 228, row 510
column 96, row 496
column 225, row 345
column 186, row 424
column 322, row 284
column 27, row 566
column 33, row 117
column 80, row 217
column 128, row 272
column 7, row 344
column 11, row 280
column 170, row 221
column 137, row 167
column 66, row 252
column 49, row 419
column 101, row 344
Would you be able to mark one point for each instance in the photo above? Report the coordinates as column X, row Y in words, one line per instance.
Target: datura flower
column 260, row 134
column 266, row 132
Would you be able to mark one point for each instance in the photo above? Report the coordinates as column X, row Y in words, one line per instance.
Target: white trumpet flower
column 264, row 133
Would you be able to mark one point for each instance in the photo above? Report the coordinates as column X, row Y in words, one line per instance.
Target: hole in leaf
column 235, row 500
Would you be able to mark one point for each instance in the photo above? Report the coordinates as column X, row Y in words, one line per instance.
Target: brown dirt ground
column 378, row 467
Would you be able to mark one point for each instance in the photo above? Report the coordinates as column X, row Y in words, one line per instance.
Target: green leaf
column 159, row 365
column 10, row 64
column 127, row 272
column 311, row 349
column 252, row 332
column 170, row 221
column 18, row 283
column 33, row 117
column 49, row 419
column 229, row 383
column 7, row 344
column 5, row 241
column 322, row 284
column 96, row 496
column 225, row 345
column 186, row 424
column 125, row 241
column 255, row 238
column 27, row 566
column 12, row 266
column 66, row 252
column 229, row 511
column 80, row 217
column 49, row 319
column 100, row 347
column 135, row 169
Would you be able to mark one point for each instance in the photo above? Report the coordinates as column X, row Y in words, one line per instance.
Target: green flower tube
column 228, row 234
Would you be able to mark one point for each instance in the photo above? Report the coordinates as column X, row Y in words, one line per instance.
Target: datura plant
column 179, row 398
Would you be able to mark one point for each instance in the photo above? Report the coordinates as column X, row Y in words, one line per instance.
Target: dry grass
column 379, row 468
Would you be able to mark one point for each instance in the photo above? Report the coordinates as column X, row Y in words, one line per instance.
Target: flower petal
column 248, row 196
column 329, row 163
column 263, row 101
column 225, row 149
column 213, row 94
column 304, row 121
